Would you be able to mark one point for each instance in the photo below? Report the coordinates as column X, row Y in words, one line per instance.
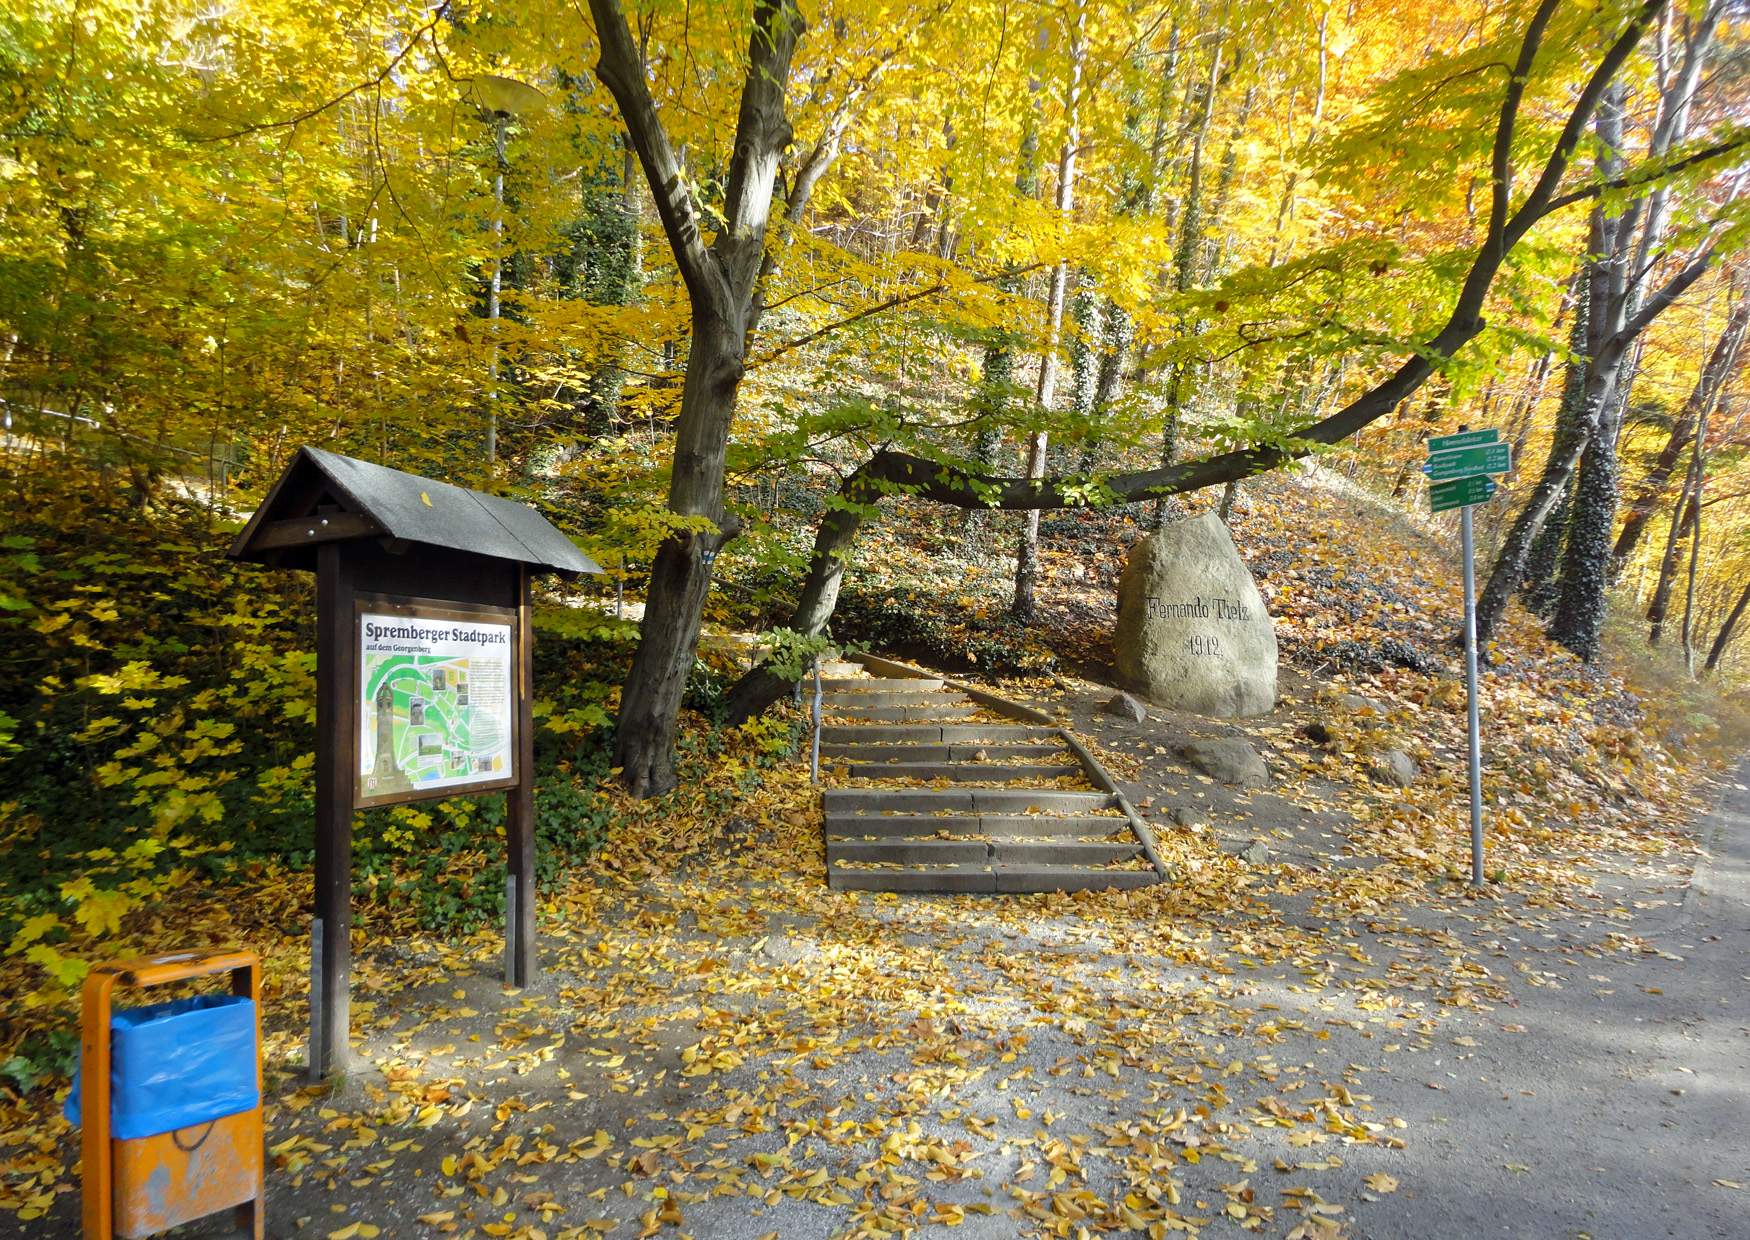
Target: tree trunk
column 1511, row 562
column 1623, row 244
column 1612, row 330
column 760, row 687
column 1539, row 584
column 1689, row 589
column 1117, row 330
column 1723, row 638
column 1185, row 259
column 997, row 379
column 1026, row 600
column 1578, row 623
column 1698, row 468
column 1682, row 517
column 1703, row 397
column 723, row 284
column 1610, row 295
column 680, row 577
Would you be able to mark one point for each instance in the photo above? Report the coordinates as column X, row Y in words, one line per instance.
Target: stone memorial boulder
column 1192, row 630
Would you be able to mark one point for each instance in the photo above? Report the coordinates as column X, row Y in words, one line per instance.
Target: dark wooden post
column 519, row 825
column 331, row 934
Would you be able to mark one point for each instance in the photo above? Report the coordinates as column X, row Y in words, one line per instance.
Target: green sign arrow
column 1460, row 492
column 1487, row 458
column 1463, row 439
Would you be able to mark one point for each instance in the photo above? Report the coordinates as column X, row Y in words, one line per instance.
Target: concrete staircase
column 932, row 790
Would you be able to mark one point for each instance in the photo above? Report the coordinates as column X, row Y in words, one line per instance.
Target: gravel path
column 763, row 1057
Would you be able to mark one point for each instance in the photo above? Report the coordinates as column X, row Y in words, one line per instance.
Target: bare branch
column 292, row 122
column 891, row 303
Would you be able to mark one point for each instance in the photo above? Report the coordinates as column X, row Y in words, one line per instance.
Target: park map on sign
column 434, row 708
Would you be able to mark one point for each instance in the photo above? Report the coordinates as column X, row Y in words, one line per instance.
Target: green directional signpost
column 1460, row 492
column 1458, row 470
column 1475, row 461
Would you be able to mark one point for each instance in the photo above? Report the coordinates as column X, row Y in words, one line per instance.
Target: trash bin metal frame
column 227, row 1151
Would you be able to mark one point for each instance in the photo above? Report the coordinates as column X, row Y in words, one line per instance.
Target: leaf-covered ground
column 1337, row 1040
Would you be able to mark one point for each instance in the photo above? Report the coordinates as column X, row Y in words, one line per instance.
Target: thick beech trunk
column 1510, row 562
column 1539, row 584
column 1627, row 257
column 1578, row 622
column 724, row 288
column 1603, row 372
column 680, row 577
column 1542, row 584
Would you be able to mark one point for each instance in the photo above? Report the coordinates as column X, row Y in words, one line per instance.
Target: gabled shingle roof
column 410, row 508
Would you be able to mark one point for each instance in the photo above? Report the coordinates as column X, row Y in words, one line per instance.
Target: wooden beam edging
column 1014, row 710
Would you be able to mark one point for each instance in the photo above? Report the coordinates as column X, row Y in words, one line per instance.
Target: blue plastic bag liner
column 182, row 1062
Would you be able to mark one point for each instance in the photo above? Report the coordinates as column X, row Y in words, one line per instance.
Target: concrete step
column 973, row 878
column 953, row 733
column 962, row 772
column 874, row 701
column 877, row 684
column 976, row 878
column 957, row 733
column 1040, row 800
column 946, row 709
column 1068, row 878
column 1025, row 853
column 999, row 825
column 903, row 825
column 838, row 801
column 856, row 752
column 909, row 852
column 892, row 693
column 995, row 826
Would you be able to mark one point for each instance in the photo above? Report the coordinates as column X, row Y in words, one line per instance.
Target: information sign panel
column 1459, row 492
column 1488, row 458
column 436, row 707
column 1463, row 439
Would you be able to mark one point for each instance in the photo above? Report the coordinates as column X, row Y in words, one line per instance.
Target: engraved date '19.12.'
column 1203, row 644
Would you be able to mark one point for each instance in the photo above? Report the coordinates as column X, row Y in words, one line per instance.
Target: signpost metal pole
column 1459, row 467
column 1470, row 684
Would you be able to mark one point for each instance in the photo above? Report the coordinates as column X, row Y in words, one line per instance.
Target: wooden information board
column 424, row 680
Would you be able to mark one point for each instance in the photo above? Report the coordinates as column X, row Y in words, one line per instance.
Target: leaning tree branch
column 1650, row 175
column 1538, row 203
column 1672, row 289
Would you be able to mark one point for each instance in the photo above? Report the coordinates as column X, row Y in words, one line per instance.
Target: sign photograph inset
column 436, row 707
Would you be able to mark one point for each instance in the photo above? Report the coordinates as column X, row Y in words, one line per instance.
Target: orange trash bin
column 136, row 1187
